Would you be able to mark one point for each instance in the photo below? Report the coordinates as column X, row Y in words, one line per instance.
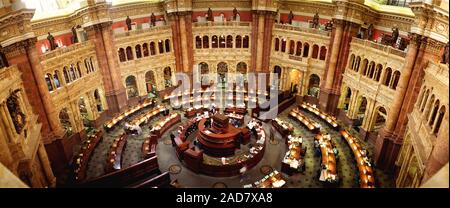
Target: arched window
column 48, row 80
column 352, row 62
column 283, row 45
column 229, row 41
column 129, row 53
column 131, row 87
column 238, row 41
column 364, row 67
column 433, row 113
column 357, row 62
column 222, row 69
column 79, row 69
column 298, row 51
column 306, row 50
column 87, row 65
column 152, row 48
column 291, row 47
column 167, row 77
column 323, row 53
column 245, row 42
column 205, row 41
column 424, row 102
column 428, row 107
column 222, row 41
column 122, row 57
column 241, row 67
column 73, row 75
column 138, row 51
column 204, row 69
column 160, row 47
column 378, row 71
column 167, row 45
column 440, row 117
column 56, row 79
column 380, row 118
column 371, row 70
column 66, row 75
column 92, row 63
column 198, row 42
column 315, row 51
column 395, row 77
column 215, row 41
column 387, row 76
column 145, row 49
column 277, row 44
column 98, row 101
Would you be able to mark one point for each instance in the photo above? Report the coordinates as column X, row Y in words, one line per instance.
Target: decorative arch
column 438, row 123
column 315, row 51
column 122, row 57
column 160, row 47
column 378, row 71
column 167, row 45
column 167, row 77
column 395, row 79
column 129, row 53
column 145, row 50
column 238, row 41
column 198, row 42
column 150, row 81
column 215, row 41
column 152, row 48
column 246, row 41
column 283, row 45
column 48, row 80
column 306, row 50
column 65, row 121
column 56, row 79
column 229, row 41
column 137, row 48
column 277, row 44
column 241, row 67
column 205, row 41
column 291, row 47
column 380, row 117
column 98, row 100
column 323, row 53
column 298, row 51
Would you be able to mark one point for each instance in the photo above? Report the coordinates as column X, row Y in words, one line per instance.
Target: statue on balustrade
column 445, row 56
column 51, row 41
column 395, row 34
column 74, row 34
column 128, row 22
column 153, row 20
column 235, row 13
column 316, row 20
column 290, row 17
column 210, row 15
column 370, row 32
column 329, row 25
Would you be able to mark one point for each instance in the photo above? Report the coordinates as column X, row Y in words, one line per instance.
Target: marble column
column 45, row 163
column 102, row 36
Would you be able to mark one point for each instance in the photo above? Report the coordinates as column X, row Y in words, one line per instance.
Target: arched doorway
column 204, row 72
column 64, row 119
column 241, row 68
column 150, row 82
column 84, row 112
column 167, row 77
column 346, row 99
column 98, row 101
column 131, row 87
column 314, row 86
column 361, row 110
column 379, row 119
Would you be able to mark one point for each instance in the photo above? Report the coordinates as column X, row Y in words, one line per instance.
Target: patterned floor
column 274, row 153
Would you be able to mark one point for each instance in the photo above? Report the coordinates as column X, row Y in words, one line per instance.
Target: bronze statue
column 51, row 41
column 316, row 20
column 290, row 17
column 74, row 35
column 128, row 22
column 153, row 20
column 370, row 32
column 394, row 35
column 235, row 13
column 329, row 25
column 210, row 15
column 445, row 56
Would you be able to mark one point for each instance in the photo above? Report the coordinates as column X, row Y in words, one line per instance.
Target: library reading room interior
column 224, row 93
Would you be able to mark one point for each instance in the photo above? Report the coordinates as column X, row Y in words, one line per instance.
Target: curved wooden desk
column 218, row 144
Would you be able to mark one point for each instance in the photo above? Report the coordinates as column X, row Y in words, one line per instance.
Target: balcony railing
column 302, row 29
column 232, row 23
column 65, row 49
column 378, row 46
column 140, row 31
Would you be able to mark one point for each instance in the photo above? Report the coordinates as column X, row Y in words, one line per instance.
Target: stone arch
column 346, row 96
column 246, row 41
column 198, row 42
column 122, row 56
column 214, row 41
column 56, row 79
column 241, row 67
column 238, row 41
column 323, row 53
column 137, row 48
column 306, row 50
column 98, row 100
column 167, row 45
column 291, row 47
column 395, row 79
column 85, row 111
column 152, row 48
column 229, row 41
column 145, row 50
column 283, row 45
column 298, row 50
column 49, row 81
column 205, row 41
column 315, row 51
column 378, row 71
column 379, row 119
column 440, row 117
column 129, row 53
